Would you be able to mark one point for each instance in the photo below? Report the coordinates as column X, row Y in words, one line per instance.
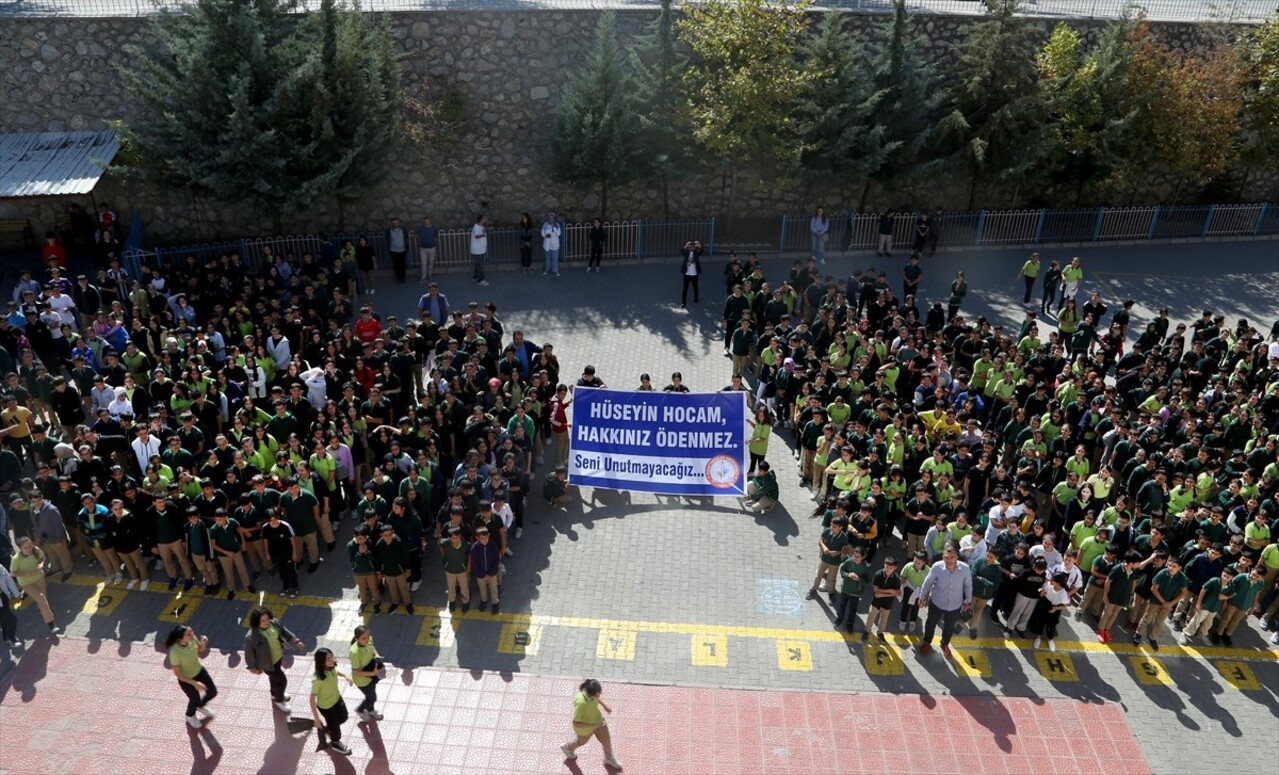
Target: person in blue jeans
column 551, row 233
column 819, row 231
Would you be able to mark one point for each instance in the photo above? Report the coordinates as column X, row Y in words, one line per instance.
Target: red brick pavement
column 69, row 707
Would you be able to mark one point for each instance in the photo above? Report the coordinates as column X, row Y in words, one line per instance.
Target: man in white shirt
column 62, row 304
column 551, row 231
column 479, row 248
column 144, row 446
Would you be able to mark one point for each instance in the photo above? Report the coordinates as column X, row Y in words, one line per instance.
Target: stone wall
column 62, row 74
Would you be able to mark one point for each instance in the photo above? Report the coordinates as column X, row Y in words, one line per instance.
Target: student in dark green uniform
column 854, row 574
column 1118, row 592
column 364, row 568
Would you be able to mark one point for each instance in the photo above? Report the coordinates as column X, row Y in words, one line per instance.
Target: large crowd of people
column 1027, row 473
column 206, row 423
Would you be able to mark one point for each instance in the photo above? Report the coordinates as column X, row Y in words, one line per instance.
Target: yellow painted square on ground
column 884, row 660
column 276, row 610
column 616, row 644
column 1056, row 667
column 437, row 633
column 1149, row 671
column 710, row 650
column 794, row 655
column 972, row 663
column 104, row 600
column 1238, row 675
column 520, row 639
column 178, row 609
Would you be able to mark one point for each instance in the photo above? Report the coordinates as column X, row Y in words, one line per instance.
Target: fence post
column 1154, row 221
column 1208, row 221
column 1261, row 216
column 1096, row 228
column 711, row 250
column 639, row 238
column 781, row 241
column 981, row 226
column 1039, row 227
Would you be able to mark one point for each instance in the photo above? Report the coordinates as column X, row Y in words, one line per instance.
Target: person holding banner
column 559, row 423
column 761, row 490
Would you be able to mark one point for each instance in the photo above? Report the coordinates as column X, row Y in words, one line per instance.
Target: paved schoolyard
column 645, row 589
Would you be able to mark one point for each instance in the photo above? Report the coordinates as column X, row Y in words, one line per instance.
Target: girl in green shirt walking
column 328, row 709
column 185, row 648
column 588, row 722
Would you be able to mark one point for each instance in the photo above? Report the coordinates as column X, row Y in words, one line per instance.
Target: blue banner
column 664, row 443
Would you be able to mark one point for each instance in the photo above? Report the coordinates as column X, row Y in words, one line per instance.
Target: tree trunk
column 666, row 195
column 341, row 203
column 861, row 203
column 1243, row 183
column 972, row 190
column 604, row 199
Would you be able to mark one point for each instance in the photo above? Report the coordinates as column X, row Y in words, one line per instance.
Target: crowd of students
column 1131, row 480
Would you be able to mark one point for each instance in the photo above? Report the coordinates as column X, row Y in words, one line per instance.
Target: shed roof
column 54, row 163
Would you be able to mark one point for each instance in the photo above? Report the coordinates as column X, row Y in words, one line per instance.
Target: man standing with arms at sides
column 397, row 244
column 427, row 234
column 479, row 248
column 947, row 592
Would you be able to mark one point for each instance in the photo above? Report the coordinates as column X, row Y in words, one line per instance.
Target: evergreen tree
column 1260, row 54
column 902, row 123
column 658, row 65
column 832, row 106
column 596, row 133
column 993, row 127
column 241, row 105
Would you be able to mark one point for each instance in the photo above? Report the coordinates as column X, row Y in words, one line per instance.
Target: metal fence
column 855, row 231
column 1230, row 11
column 636, row 239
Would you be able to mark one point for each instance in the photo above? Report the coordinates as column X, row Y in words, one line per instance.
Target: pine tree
column 658, row 65
column 902, row 122
column 832, row 106
column 992, row 130
column 243, row 106
column 595, row 140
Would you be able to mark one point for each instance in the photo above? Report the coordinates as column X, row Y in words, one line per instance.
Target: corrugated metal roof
column 54, row 163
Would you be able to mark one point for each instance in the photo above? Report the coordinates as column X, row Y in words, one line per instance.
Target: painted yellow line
column 524, row 622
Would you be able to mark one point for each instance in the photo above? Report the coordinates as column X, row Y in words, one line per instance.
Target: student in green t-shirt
column 1118, row 592
column 854, row 574
column 224, row 536
column 913, row 575
column 328, row 709
column 1167, row 588
column 1243, row 591
column 184, row 648
column 366, row 671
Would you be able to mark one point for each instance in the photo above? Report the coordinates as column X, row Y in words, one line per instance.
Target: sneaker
column 212, row 589
column 466, row 607
column 117, row 578
column 394, row 607
column 452, row 605
column 569, row 753
column 494, row 609
column 293, row 593
column 1214, row 638
column 812, row 594
column 1052, row 645
column 313, row 567
column 483, row 604
column 253, row 590
column 509, row 553
column 1275, row 639
column 283, row 707
column 230, row 594
column 1103, row 636
column 972, row 633
column 519, row 531
column 945, row 652
column 340, row 747
column 203, row 711
column 363, row 607
column 415, row 586
column 1154, row 644
column 1187, row 639
column 1136, row 639
column 925, row 649
column 1037, row 642
column 186, row 585
column 364, row 715
column 612, row 761
column 67, row 576
column 145, row 583
column 1226, row 639
column 484, row 283
column 881, row 637
column 408, row 609
column 377, row 609
column 132, row 583
column 373, row 714
column 193, row 722
column 865, row 636
column 56, row 630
